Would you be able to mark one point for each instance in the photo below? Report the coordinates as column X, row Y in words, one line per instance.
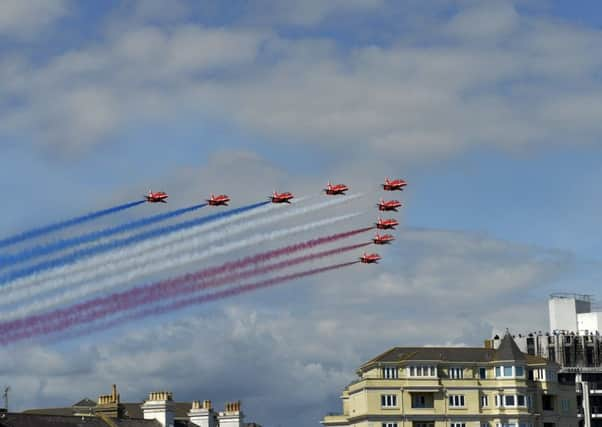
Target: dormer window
column 509, row 371
column 422, row 371
column 390, row 373
column 456, row 373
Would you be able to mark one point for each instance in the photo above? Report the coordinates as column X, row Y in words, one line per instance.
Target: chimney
column 232, row 416
column 202, row 415
column 161, row 407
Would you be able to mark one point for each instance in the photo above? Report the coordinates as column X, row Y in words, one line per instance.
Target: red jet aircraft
column 383, row 239
column 156, row 197
column 335, row 189
column 386, row 224
column 370, row 258
column 219, row 200
column 388, row 205
column 281, row 197
column 395, row 184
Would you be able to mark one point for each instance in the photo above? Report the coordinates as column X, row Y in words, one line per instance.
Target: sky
column 490, row 110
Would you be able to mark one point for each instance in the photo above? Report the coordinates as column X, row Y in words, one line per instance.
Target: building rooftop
column 131, row 410
column 507, row 351
column 38, row 420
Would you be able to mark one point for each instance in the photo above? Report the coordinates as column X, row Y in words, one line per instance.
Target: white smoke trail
column 124, row 252
column 129, row 258
column 178, row 260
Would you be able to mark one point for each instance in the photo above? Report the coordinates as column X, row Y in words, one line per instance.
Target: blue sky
column 489, row 110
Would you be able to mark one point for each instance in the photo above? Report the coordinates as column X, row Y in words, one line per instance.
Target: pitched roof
column 131, row 410
column 451, row 354
column 39, row 420
column 85, row 402
column 508, row 350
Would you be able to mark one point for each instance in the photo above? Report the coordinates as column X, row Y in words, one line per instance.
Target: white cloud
column 28, row 19
column 404, row 99
column 494, row 19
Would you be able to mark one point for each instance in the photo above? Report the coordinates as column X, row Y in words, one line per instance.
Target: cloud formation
column 480, row 76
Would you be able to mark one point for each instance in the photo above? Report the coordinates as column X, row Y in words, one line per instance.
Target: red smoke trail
column 157, row 310
column 27, row 322
column 97, row 303
column 54, row 322
column 93, row 309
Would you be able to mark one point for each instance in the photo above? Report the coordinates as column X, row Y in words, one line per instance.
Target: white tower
column 564, row 310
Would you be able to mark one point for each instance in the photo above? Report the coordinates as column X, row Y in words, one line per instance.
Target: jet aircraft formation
column 330, row 190
column 51, row 285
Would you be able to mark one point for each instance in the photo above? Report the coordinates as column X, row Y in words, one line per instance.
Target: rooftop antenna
column 5, row 396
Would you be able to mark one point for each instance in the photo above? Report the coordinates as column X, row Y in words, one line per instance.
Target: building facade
column 575, row 343
column 457, row 387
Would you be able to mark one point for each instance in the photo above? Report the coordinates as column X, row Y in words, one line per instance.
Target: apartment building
column 574, row 342
column 457, row 387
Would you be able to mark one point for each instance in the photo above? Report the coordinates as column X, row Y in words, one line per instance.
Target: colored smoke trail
column 62, row 244
column 181, row 303
column 19, row 288
column 119, row 262
column 37, row 232
column 94, row 310
column 105, row 247
column 146, row 267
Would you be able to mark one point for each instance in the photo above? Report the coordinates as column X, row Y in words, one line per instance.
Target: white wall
column 590, row 322
column 563, row 314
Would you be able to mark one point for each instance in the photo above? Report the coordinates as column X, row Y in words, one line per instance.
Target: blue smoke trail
column 41, row 250
column 105, row 247
column 37, row 232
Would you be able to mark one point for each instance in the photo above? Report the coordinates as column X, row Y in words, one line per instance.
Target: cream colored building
column 457, row 387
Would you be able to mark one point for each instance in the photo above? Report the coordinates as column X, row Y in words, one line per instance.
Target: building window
column 509, row 400
column 539, row 374
column 547, row 402
column 422, row 371
column 485, row 424
column 482, row 373
column 484, row 401
column 390, row 373
column 388, row 400
column 508, row 371
column 456, row 373
column 456, row 401
column 457, row 424
column 389, row 424
column 418, row 401
column 520, row 400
